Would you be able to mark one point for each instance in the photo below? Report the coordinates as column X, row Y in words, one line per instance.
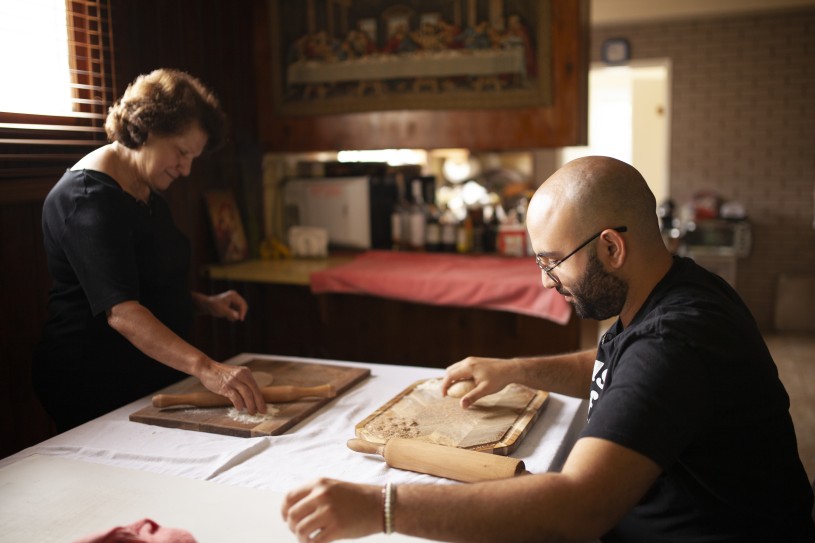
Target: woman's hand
column 489, row 375
column 327, row 510
column 229, row 305
column 236, row 383
column 141, row 328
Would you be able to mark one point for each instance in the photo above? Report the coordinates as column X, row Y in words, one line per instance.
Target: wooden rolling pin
column 273, row 394
column 440, row 460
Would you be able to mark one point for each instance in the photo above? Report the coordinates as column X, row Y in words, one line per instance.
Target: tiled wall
column 743, row 124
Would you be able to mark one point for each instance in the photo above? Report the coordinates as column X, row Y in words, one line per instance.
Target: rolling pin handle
column 363, row 446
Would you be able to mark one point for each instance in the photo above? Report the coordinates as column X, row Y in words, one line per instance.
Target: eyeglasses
column 548, row 269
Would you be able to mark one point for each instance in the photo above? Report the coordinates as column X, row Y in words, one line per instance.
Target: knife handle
column 272, row 394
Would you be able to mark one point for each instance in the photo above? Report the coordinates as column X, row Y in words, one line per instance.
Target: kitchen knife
column 272, row 394
column 441, row 460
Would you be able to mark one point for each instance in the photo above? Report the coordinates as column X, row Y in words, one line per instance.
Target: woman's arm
column 141, row 328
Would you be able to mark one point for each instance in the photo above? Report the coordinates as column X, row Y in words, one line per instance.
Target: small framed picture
column 227, row 226
column 615, row 51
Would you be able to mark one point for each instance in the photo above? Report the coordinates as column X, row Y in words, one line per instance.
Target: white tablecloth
column 314, row 448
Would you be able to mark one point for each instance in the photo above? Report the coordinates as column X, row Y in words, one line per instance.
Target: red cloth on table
column 490, row 282
column 142, row 531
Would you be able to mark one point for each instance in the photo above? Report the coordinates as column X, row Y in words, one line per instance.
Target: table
column 111, row 471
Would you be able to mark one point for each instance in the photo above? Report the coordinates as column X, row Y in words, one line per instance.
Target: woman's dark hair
column 165, row 102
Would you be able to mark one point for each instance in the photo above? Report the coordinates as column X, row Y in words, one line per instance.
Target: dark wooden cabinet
column 290, row 320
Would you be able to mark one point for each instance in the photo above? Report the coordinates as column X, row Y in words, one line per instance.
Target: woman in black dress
column 120, row 307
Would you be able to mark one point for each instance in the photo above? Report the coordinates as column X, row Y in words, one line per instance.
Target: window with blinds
column 50, row 123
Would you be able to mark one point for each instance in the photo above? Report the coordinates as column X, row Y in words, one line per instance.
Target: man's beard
column 597, row 295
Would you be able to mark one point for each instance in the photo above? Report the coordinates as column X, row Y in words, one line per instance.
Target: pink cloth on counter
column 142, row 531
column 489, row 282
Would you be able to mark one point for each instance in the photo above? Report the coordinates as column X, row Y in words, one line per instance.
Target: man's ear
column 612, row 249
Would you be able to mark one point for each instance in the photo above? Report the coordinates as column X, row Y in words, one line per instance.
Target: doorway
column 629, row 119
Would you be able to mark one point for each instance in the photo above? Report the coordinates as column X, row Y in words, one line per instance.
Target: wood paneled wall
column 211, row 39
column 24, row 284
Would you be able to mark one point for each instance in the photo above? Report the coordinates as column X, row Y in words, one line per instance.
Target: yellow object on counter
column 287, row 271
column 274, row 249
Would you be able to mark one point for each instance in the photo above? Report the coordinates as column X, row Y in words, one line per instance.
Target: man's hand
column 326, row 510
column 489, row 375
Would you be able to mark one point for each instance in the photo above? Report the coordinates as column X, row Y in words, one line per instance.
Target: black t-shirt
column 105, row 247
column 691, row 385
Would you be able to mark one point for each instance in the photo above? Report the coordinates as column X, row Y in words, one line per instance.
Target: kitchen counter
column 428, row 309
column 112, row 471
column 483, row 281
column 479, row 281
column 290, row 271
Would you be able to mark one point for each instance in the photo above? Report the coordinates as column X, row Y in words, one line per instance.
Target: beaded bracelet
column 389, row 502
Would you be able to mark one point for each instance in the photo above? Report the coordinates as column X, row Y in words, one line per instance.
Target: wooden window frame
column 36, row 146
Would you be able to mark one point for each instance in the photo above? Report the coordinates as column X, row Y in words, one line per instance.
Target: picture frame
column 615, row 51
column 227, row 226
column 330, row 57
column 563, row 122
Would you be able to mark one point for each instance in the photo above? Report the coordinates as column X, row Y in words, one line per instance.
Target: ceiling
column 606, row 12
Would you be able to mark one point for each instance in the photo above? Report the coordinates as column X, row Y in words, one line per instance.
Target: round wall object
column 616, row 51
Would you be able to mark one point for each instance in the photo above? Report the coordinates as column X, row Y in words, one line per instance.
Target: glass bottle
column 418, row 217
column 449, row 227
column 432, row 234
column 399, row 216
column 464, row 235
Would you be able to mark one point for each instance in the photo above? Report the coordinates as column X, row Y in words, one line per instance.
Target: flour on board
column 246, row 418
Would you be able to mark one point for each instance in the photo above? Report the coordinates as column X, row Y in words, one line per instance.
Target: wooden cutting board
column 496, row 423
column 225, row 420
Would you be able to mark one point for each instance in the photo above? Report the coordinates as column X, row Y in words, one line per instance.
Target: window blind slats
column 24, row 128
column 11, row 141
column 40, row 145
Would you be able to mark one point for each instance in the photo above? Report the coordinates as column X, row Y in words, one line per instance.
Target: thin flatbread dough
column 460, row 388
column 263, row 378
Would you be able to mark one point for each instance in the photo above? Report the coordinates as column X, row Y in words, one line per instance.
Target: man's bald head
column 615, row 274
column 591, row 193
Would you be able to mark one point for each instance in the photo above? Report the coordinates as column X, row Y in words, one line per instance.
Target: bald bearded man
column 688, row 437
